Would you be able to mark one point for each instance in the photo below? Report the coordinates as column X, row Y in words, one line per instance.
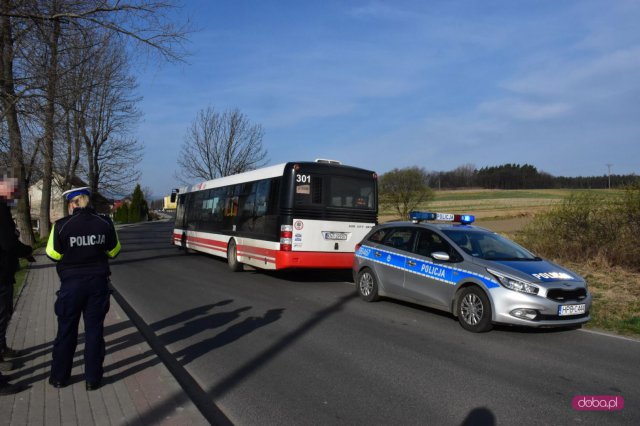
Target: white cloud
column 524, row 110
column 593, row 74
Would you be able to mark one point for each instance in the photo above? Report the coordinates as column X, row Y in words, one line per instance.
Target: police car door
column 426, row 279
column 390, row 257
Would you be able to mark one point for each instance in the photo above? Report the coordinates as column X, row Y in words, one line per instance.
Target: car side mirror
column 174, row 195
column 440, row 255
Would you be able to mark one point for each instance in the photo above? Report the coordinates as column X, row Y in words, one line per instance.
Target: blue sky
column 385, row 84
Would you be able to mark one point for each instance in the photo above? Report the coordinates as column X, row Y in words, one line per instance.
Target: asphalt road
column 299, row 348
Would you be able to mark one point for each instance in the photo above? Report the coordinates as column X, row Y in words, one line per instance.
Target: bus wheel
column 232, row 257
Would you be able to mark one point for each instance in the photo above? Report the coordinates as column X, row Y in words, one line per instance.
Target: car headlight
column 515, row 284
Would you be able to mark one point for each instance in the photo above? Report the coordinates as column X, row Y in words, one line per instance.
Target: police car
column 477, row 275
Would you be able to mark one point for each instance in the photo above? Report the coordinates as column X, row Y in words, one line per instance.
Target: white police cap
column 74, row 192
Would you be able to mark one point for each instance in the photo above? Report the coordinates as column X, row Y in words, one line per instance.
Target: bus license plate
column 566, row 310
column 334, row 235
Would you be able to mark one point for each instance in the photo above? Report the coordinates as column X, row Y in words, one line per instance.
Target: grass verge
column 20, row 276
column 616, row 297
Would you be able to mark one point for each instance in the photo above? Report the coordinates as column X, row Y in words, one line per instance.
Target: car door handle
column 378, row 254
column 411, row 263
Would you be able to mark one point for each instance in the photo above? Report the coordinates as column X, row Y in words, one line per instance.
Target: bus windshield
column 335, row 191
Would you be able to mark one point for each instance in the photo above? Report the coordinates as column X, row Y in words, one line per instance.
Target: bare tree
column 148, row 193
column 403, row 190
column 463, row 175
column 220, row 145
column 149, row 23
column 146, row 23
column 107, row 116
column 9, row 98
column 50, row 31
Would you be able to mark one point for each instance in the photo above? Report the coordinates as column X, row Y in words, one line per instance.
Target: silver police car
column 477, row 275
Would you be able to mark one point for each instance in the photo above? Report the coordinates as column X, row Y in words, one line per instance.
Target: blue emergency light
column 464, row 219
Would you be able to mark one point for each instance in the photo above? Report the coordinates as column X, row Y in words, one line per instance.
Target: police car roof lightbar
column 464, row 219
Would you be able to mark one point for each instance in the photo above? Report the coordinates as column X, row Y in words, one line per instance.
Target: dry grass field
column 498, row 204
column 616, row 291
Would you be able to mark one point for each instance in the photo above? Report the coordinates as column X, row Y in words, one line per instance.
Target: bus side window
column 262, row 195
column 231, row 201
column 248, row 199
column 231, row 206
column 191, row 211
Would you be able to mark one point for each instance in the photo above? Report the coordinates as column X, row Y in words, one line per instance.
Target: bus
column 293, row 215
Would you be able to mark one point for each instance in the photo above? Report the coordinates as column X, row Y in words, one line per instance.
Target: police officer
column 81, row 244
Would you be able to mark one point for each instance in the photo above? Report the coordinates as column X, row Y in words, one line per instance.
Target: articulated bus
column 292, row 215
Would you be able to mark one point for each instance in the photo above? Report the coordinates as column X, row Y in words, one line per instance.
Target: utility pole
column 609, row 173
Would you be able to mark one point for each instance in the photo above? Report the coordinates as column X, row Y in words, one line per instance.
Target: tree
column 403, row 190
column 122, row 214
column 50, row 32
column 9, row 97
column 220, row 144
column 143, row 23
column 108, row 113
column 138, row 209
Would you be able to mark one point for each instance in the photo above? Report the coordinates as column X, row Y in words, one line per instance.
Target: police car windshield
column 488, row 246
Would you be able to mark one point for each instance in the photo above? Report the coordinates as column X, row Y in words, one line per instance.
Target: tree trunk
column 9, row 99
column 49, row 129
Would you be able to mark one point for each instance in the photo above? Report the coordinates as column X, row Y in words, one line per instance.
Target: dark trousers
column 89, row 296
column 6, row 309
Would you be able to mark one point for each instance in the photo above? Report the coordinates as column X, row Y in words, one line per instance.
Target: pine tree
column 138, row 209
column 122, row 214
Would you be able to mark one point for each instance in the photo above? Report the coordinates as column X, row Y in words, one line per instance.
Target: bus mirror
column 174, row 194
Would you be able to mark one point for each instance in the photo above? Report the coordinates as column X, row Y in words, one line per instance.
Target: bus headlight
column 515, row 284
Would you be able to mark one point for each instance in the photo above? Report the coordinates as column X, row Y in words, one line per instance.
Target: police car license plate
column 566, row 310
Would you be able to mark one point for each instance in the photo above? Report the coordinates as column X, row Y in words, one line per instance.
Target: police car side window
column 429, row 242
column 378, row 236
column 399, row 238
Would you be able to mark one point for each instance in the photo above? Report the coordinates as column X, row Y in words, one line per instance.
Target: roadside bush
column 403, row 190
column 122, row 214
column 590, row 227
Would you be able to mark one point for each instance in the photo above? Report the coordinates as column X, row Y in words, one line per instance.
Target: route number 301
column 303, row 179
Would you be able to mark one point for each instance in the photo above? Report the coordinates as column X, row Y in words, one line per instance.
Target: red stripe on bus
column 205, row 243
column 308, row 259
column 253, row 250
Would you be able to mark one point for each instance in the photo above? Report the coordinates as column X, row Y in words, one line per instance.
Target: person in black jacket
column 82, row 245
column 11, row 249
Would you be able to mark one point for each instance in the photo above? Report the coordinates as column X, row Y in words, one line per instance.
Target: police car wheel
column 474, row 310
column 367, row 285
column 232, row 257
